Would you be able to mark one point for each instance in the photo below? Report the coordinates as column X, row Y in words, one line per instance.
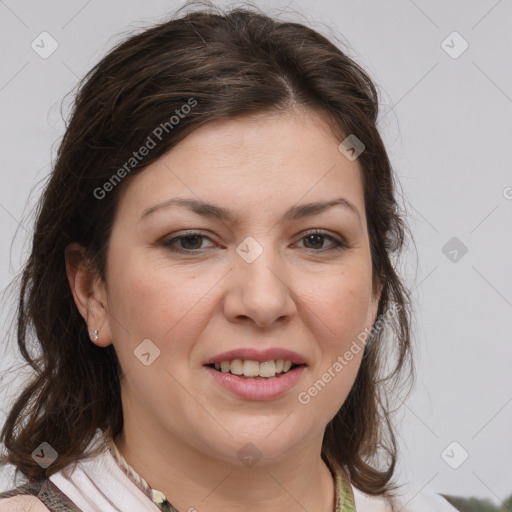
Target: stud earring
column 95, row 335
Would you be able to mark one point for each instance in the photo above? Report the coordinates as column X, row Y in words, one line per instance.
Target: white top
column 98, row 484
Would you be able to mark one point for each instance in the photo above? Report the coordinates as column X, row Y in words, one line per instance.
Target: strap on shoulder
column 47, row 492
column 31, row 487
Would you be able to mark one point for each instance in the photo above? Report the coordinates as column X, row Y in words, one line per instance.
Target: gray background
column 446, row 123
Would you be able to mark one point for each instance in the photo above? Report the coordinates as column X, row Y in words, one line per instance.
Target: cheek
column 156, row 305
column 342, row 303
column 162, row 304
column 348, row 302
column 340, row 307
column 148, row 294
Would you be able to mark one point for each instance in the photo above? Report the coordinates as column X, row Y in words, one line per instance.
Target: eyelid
column 319, row 231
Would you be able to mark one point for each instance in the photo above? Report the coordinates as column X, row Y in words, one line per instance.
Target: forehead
column 254, row 162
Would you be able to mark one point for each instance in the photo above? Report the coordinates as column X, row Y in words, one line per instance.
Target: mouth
column 253, row 380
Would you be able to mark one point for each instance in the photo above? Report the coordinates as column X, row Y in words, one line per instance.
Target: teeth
column 266, row 369
column 249, row 368
column 237, row 367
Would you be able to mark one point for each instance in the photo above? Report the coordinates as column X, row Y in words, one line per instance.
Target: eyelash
column 338, row 244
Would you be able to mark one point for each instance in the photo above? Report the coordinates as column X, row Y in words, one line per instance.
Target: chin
column 261, row 445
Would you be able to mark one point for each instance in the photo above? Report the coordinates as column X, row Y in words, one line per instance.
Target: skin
column 182, row 431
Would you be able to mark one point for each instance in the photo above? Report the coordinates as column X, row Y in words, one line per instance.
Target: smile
column 255, row 387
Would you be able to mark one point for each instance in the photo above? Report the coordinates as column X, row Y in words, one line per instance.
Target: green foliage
column 478, row 505
column 507, row 505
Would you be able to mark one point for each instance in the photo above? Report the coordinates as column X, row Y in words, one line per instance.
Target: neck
column 192, row 480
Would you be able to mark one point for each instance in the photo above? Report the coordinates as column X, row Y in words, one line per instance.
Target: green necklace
column 344, row 497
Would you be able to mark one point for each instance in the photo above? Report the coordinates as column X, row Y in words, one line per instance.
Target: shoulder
column 22, row 503
column 406, row 500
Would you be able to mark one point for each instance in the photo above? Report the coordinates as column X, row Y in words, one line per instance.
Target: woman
column 211, row 284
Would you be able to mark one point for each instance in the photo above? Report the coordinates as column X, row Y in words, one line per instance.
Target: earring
column 95, row 335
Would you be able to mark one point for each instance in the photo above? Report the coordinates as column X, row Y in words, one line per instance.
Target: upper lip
column 259, row 355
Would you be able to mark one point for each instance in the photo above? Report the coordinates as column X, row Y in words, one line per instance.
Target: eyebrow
column 210, row 210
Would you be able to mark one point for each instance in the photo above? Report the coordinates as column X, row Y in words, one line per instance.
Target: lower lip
column 257, row 389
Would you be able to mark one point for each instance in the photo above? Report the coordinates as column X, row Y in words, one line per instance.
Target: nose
column 260, row 291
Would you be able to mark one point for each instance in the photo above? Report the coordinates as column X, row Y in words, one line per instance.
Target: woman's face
column 256, row 279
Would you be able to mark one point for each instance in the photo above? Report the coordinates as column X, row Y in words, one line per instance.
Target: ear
column 89, row 293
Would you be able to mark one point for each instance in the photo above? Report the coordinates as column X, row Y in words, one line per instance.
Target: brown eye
column 190, row 242
column 315, row 241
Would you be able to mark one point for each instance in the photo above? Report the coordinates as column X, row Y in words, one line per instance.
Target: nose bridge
column 260, row 279
column 259, row 264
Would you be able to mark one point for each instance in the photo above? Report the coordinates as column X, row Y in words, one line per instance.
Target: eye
column 190, row 242
column 316, row 237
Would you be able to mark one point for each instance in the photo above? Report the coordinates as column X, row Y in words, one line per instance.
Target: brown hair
column 230, row 63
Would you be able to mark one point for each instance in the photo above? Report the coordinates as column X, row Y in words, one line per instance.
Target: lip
column 256, row 389
column 259, row 355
